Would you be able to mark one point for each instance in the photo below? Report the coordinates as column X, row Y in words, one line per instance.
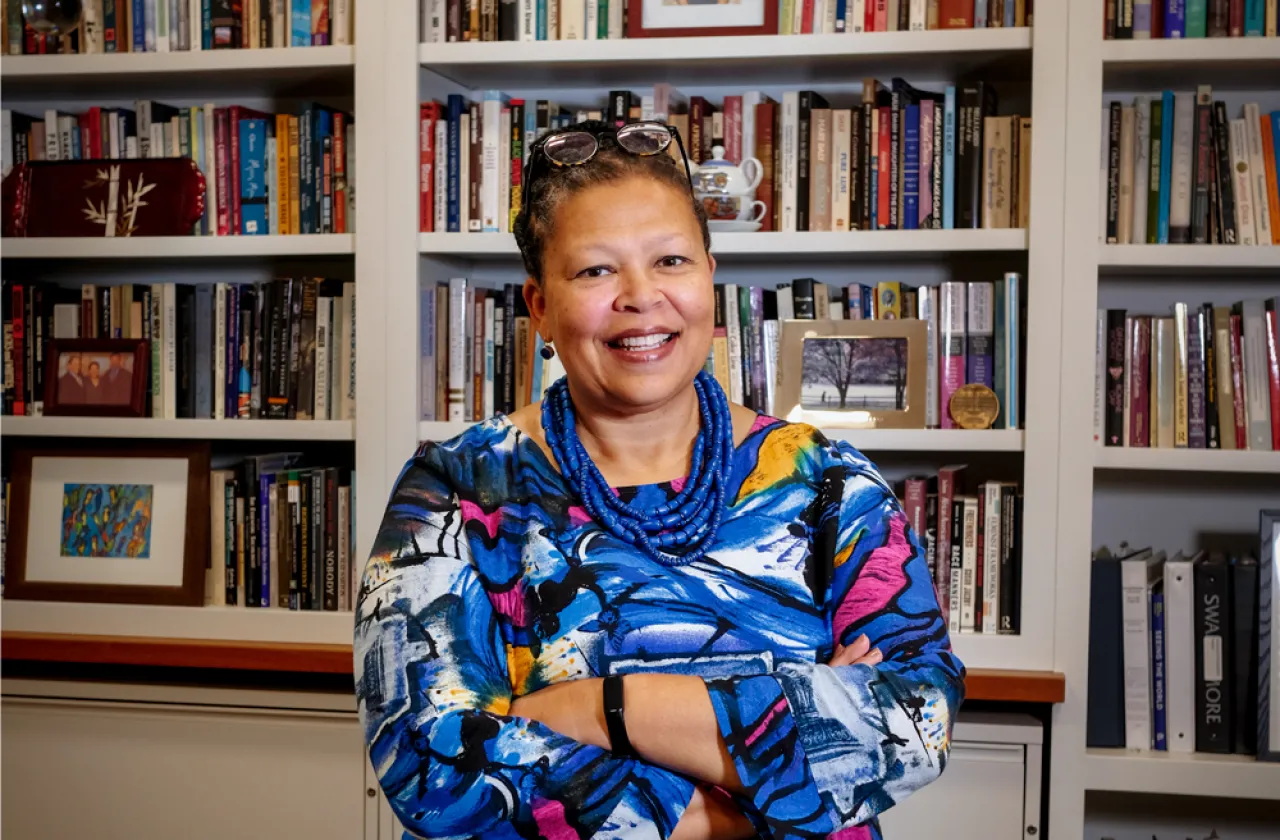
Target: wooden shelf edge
column 1015, row 686
column 176, row 653
column 981, row 683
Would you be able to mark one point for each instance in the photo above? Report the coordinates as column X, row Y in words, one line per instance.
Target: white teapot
column 719, row 176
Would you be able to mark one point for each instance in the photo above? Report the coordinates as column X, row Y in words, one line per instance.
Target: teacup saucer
column 732, row 226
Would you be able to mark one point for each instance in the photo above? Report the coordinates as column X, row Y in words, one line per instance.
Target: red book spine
column 1139, row 383
column 339, row 173
column 882, row 170
column 233, row 167
column 1273, row 370
column 882, row 16
column 733, row 128
column 806, row 18
column 764, row 152
column 1237, row 383
column 1235, row 19
column 869, row 22
column 426, row 162
column 955, row 14
column 948, row 488
column 18, row 319
column 220, row 152
column 914, row 491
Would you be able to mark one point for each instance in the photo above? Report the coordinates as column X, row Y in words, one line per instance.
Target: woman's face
column 627, row 295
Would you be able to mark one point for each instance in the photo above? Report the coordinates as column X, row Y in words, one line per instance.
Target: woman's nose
column 637, row 291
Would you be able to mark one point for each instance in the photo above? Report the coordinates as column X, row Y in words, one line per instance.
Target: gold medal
column 974, row 406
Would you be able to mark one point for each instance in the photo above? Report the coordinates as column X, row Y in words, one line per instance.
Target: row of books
column 972, row 537
column 1173, row 650
column 1176, row 168
column 1145, row 19
column 1204, row 377
column 479, row 354
column 264, row 173
column 116, row 26
column 279, row 350
column 591, row 20
column 902, row 159
column 281, row 534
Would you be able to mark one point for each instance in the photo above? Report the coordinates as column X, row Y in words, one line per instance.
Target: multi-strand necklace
column 691, row 518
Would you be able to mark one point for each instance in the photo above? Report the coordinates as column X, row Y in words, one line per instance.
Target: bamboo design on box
column 113, row 221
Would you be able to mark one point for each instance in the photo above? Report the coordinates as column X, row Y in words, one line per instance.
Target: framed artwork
column 1269, row 635
column 97, row 377
column 853, row 374
column 700, row 18
column 119, row 525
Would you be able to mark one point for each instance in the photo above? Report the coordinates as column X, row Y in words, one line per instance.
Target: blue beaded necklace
column 691, row 518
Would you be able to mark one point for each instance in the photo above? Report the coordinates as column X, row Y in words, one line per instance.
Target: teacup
column 741, row 208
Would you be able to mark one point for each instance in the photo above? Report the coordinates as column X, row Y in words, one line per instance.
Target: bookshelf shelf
column 148, row 428
column 1243, row 63
column 881, row 440
column 177, row 247
column 734, row 60
column 1188, row 258
column 1188, row 774
column 231, row 624
column 886, row 244
column 229, row 70
column 1187, row 460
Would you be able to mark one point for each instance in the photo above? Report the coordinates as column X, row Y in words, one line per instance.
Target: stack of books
column 1145, row 19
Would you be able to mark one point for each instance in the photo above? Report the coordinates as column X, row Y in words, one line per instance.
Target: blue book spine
column 875, row 186
column 266, row 485
column 1196, row 18
column 542, row 20
column 76, row 152
column 949, row 159
column 1009, row 16
column 231, row 384
column 842, row 7
column 324, row 203
column 1142, row 18
column 301, row 23
column 138, row 22
column 1275, row 143
column 456, row 107
column 536, row 375
column 867, row 297
column 206, row 24
column 980, row 14
column 1159, row 735
column 1012, row 317
column 1254, row 18
column 253, row 177
column 1166, row 163
column 1175, row 19
column 911, row 168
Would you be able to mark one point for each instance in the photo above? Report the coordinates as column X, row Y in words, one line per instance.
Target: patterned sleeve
column 433, row 690
column 821, row 749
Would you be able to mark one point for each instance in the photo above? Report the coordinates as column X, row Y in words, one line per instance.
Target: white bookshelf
column 182, row 429
column 1104, row 491
column 1185, row 774
column 1164, row 259
column 870, row 440
column 880, row 243
column 232, row 624
column 231, row 66
column 1187, row 460
column 736, row 60
column 176, row 247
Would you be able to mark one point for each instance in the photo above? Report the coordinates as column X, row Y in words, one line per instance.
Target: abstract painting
column 107, row 520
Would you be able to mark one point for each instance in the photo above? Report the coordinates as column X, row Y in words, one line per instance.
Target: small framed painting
column 1269, row 635
column 700, row 18
column 853, row 374
column 119, row 525
column 97, row 377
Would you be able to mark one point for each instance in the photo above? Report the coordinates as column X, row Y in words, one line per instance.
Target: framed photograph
column 129, row 524
column 853, row 374
column 700, row 18
column 1269, row 635
column 97, row 377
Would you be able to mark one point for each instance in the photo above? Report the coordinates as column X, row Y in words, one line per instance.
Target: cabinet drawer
column 978, row 797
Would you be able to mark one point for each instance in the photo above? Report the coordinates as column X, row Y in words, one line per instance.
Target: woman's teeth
column 644, row 342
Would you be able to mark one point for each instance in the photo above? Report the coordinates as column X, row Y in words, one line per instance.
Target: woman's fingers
column 859, row 652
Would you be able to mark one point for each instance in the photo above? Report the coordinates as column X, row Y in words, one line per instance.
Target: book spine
column 991, row 557
column 1113, row 413
column 1159, row 735
column 1213, row 657
column 980, row 334
column 953, row 344
column 1204, row 321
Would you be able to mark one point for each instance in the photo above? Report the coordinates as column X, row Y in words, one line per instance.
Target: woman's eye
column 673, row 261
column 594, row 271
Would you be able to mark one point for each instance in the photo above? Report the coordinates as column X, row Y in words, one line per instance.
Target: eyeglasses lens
column 644, row 139
column 571, row 148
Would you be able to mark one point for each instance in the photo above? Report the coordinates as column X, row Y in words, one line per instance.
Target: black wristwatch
column 614, row 719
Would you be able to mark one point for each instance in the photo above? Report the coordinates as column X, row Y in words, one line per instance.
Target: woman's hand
column 858, row 653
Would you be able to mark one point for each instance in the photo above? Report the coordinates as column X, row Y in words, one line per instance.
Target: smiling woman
column 636, row 609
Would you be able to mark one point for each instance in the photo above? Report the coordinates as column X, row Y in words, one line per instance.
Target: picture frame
column 700, row 18
column 117, row 388
column 126, row 524
column 1269, row 635
column 853, row 374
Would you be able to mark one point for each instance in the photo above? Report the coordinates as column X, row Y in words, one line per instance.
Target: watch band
column 614, row 718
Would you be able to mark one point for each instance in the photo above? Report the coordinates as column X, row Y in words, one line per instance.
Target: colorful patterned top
column 488, row 581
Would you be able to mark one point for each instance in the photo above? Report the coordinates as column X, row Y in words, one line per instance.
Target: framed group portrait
column 97, row 377
column 700, row 18
column 125, row 524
